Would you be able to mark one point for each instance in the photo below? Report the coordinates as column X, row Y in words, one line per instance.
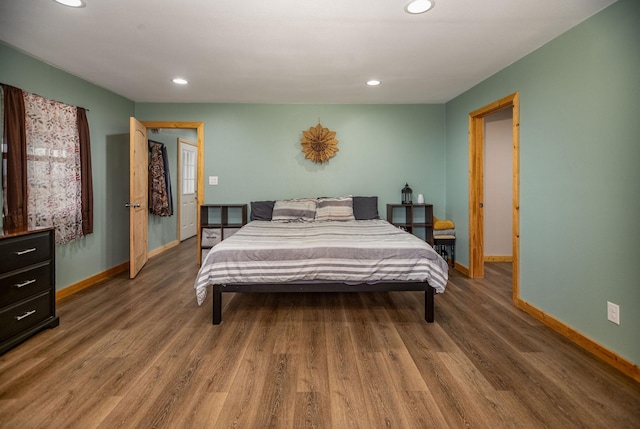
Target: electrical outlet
column 613, row 312
column 213, row 180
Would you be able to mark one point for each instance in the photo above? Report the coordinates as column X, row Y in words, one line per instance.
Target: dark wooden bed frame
column 429, row 292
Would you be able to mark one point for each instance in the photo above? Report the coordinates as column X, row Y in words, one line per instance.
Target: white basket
column 210, row 237
column 204, row 254
column 228, row 232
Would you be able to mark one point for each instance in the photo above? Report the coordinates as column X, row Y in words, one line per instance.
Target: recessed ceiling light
column 180, row 81
column 419, row 6
column 373, row 82
column 71, row 3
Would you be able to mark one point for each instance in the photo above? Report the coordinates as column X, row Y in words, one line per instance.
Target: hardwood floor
column 141, row 353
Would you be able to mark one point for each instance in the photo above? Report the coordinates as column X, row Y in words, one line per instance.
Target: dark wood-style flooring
column 142, row 354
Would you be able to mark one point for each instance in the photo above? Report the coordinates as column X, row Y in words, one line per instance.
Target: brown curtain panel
column 14, row 180
column 85, row 171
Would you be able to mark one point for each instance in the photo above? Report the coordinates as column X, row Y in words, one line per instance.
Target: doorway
column 141, row 248
column 497, row 187
column 187, row 181
column 476, row 187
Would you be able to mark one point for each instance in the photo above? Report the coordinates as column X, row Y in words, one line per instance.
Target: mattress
column 351, row 252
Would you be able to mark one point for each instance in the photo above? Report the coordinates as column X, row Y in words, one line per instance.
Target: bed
column 321, row 254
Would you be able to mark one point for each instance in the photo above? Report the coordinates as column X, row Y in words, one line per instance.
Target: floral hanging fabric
column 160, row 198
column 53, row 167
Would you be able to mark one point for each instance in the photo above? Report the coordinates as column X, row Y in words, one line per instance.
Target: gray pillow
column 365, row 208
column 261, row 210
column 338, row 209
column 301, row 209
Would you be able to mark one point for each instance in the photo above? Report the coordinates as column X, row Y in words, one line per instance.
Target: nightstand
column 416, row 219
column 217, row 222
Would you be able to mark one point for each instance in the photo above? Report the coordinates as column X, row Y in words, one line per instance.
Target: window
column 53, row 167
column 46, row 165
column 188, row 170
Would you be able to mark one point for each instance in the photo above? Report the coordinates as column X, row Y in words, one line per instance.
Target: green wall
column 579, row 175
column 255, row 150
column 108, row 118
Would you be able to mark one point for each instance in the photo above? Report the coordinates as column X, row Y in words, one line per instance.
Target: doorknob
column 481, row 205
column 132, row 205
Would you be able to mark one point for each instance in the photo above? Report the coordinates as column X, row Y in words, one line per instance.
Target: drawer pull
column 23, row 284
column 22, row 252
column 27, row 314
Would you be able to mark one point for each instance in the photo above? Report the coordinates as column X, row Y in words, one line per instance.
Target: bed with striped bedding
column 359, row 255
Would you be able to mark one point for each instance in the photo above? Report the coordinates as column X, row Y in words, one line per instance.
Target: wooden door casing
column 199, row 127
column 476, row 185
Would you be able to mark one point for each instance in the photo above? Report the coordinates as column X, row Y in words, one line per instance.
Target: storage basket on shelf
column 444, row 239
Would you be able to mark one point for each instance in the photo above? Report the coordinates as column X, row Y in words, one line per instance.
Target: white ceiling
column 286, row 51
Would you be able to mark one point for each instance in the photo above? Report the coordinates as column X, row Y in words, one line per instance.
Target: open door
column 138, row 196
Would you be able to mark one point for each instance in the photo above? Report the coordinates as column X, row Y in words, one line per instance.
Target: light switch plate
column 213, row 180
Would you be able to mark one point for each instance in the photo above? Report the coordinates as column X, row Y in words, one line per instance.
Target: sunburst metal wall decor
column 319, row 144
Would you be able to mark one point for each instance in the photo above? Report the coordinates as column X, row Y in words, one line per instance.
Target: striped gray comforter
column 361, row 251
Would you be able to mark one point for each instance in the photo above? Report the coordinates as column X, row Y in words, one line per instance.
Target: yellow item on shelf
column 442, row 224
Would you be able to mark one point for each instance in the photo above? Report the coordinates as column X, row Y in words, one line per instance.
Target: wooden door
column 138, row 196
column 187, row 162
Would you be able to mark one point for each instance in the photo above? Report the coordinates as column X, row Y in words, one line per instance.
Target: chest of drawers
column 27, row 285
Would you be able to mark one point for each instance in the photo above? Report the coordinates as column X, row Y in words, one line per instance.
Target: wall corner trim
column 623, row 365
column 90, row 281
column 114, row 271
column 462, row 269
column 161, row 249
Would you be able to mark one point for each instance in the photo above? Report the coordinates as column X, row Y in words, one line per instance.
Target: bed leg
column 429, row 294
column 217, row 304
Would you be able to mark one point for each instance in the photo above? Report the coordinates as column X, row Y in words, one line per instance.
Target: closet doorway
column 497, row 187
column 476, row 187
column 138, row 241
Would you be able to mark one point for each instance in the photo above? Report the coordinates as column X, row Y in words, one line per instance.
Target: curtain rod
column 88, row 110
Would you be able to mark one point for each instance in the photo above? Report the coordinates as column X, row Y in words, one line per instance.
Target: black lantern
column 407, row 194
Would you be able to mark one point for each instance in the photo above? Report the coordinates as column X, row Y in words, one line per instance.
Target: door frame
column 199, row 127
column 476, row 187
column 181, row 141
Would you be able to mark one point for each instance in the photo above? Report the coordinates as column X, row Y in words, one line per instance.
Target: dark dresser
column 27, row 285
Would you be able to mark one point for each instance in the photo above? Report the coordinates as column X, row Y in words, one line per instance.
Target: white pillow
column 303, row 209
column 340, row 209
